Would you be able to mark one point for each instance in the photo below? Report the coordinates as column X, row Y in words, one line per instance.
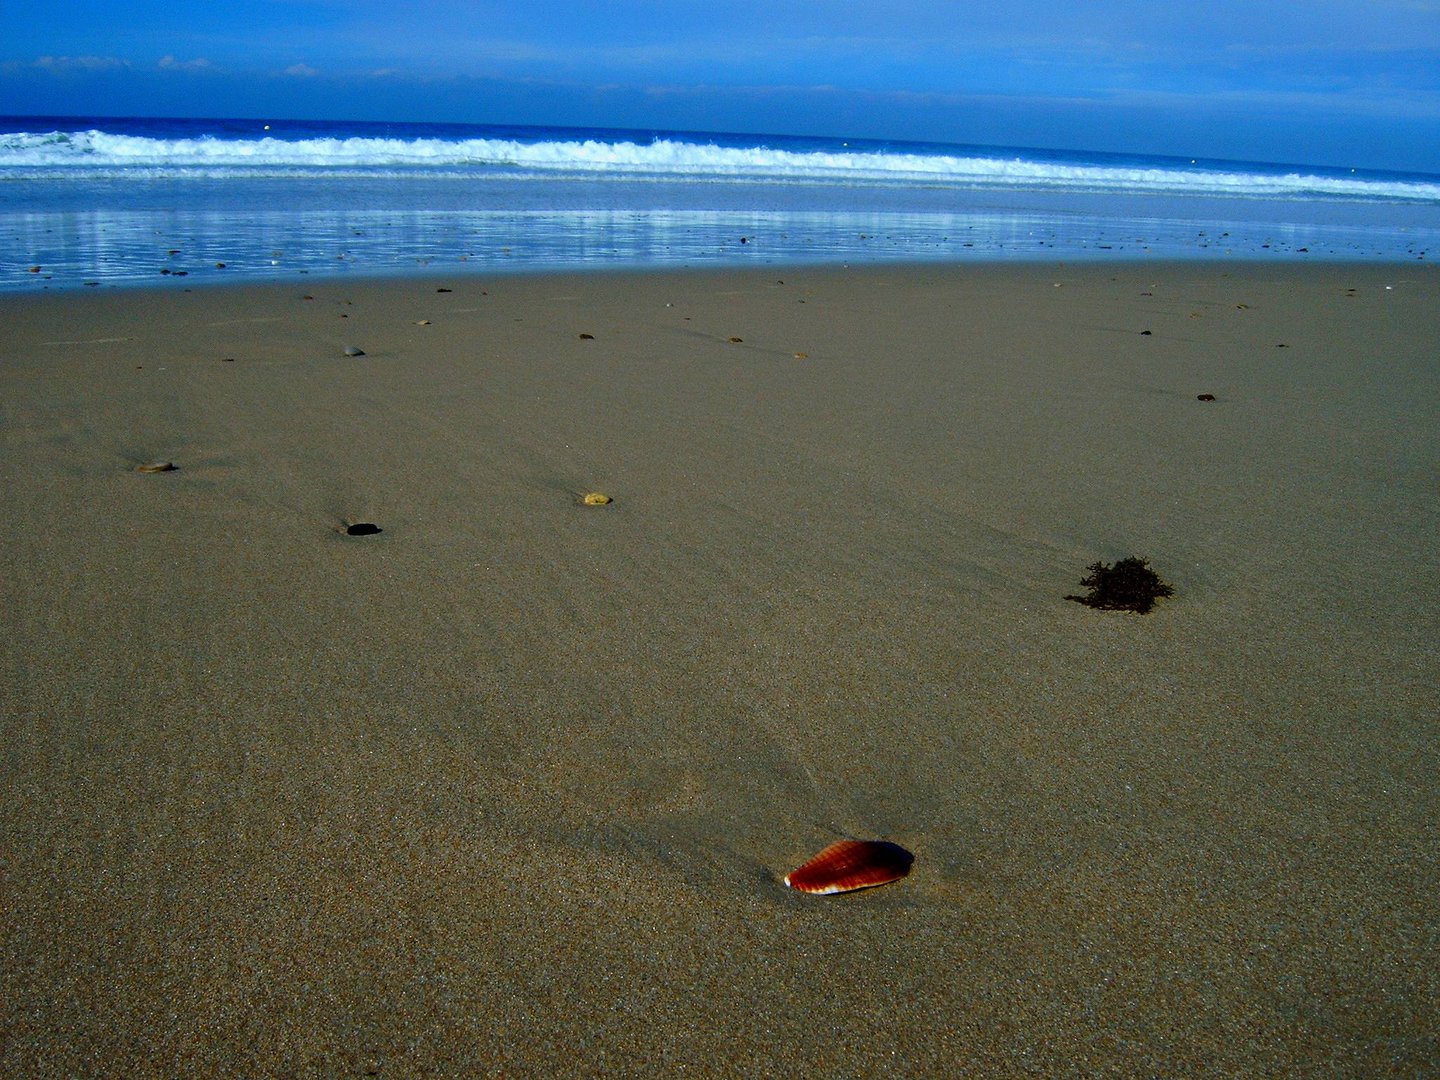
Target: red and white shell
column 850, row 865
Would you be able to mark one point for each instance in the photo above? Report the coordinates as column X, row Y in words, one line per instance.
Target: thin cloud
column 301, row 71
column 169, row 63
column 80, row 63
column 1374, row 103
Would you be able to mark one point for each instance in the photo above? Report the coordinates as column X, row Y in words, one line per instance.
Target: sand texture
column 509, row 788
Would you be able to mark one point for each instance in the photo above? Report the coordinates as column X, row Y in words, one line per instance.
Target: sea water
column 90, row 201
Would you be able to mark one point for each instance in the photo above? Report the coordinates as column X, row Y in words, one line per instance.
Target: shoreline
column 510, row 786
column 39, row 279
column 1028, row 264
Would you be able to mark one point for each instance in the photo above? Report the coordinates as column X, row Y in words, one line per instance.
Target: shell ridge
column 848, row 865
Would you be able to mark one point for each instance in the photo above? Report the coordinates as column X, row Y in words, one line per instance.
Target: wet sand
column 509, row 787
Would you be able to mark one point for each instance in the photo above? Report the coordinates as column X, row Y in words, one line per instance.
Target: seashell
column 156, row 466
column 850, row 865
column 596, row 498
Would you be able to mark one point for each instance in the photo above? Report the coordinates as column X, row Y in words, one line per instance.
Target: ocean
column 92, row 202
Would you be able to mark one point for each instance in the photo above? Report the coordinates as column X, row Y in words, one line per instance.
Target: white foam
column 84, row 152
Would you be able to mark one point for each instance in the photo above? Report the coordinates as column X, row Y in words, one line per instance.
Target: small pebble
column 156, row 466
column 362, row 528
column 586, row 337
column 596, row 498
column 351, row 350
column 1204, row 397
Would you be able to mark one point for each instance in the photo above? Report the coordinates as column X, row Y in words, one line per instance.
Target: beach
column 509, row 787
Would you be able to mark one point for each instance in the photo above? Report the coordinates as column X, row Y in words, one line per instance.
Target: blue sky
column 1341, row 82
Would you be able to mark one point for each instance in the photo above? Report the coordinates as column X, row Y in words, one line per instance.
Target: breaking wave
column 53, row 155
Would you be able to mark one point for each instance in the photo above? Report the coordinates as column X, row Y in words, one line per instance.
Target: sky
column 1323, row 82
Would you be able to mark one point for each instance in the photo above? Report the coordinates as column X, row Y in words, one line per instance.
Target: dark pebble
column 362, row 528
column 1204, row 397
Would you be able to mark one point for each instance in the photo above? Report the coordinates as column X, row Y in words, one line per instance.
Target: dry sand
column 509, row 788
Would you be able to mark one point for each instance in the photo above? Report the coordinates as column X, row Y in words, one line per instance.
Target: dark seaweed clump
column 1129, row 585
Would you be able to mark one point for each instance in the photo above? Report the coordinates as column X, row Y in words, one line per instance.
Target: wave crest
column 86, row 152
